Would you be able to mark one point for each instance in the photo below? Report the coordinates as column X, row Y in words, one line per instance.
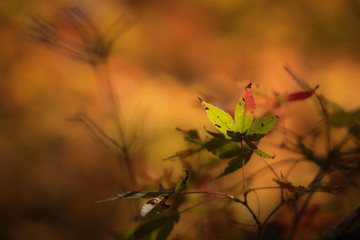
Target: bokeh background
column 164, row 54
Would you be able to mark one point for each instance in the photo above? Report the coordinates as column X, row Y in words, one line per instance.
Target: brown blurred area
column 52, row 170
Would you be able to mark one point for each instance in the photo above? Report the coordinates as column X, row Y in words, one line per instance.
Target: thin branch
column 271, row 168
column 262, row 188
column 200, row 203
column 301, row 212
column 272, row 213
column 84, row 118
column 229, row 196
column 258, row 223
column 293, row 166
column 243, row 166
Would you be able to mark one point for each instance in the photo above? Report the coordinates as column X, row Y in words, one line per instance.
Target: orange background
column 52, row 170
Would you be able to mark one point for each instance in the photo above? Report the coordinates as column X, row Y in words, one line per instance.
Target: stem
column 298, row 216
column 229, row 196
column 320, row 100
column 103, row 139
column 350, row 153
column 344, row 141
column 269, row 166
column 262, row 225
column 198, row 204
column 311, row 131
column 258, row 223
column 282, row 162
column 293, row 166
column 111, row 99
column 272, row 213
column 261, row 188
column 243, row 166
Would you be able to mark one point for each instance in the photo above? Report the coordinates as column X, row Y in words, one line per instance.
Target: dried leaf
column 153, row 206
column 300, row 190
column 136, row 194
column 296, row 96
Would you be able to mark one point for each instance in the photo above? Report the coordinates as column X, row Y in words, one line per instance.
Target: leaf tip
column 186, row 172
column 203, row 103
column 248, row 86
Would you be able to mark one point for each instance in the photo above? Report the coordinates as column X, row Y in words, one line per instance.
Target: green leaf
column 221, row 119
column 184, row 153
column 222, row 148
column 256, row 149
column 244, row 112
column 193, row 139
column 236, row 163
column 333, row 108
column 191, row 136
column 351, row 120
column 214, row 143
column 157, row 220
column 166, row 228
column 263, row 154
column 216, row 135
column 242, row 120
column 228, row 150
column 262, row 126
column 181, row 185
column 348, row 119
column 163, row 222
column 249, row 143
column 136, row 194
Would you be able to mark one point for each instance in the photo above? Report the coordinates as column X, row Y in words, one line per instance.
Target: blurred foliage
column 142, row 65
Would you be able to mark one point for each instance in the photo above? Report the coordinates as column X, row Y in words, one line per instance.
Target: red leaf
column 249, row 99
column 301, row 95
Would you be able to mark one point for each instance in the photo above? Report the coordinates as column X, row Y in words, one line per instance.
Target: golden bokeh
column 57, row 112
